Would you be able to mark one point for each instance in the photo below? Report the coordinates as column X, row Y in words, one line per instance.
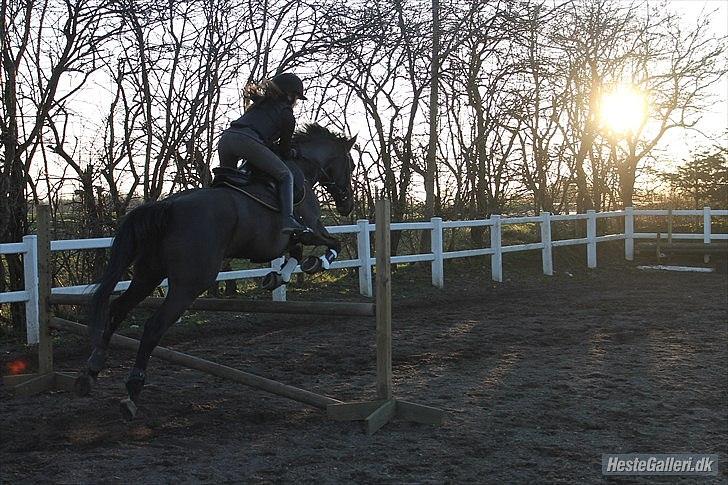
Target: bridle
column 340, row 194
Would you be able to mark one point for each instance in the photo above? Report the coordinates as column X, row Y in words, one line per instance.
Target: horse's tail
column 140, row 231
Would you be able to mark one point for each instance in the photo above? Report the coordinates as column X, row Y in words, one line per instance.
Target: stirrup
column 291, row 226
column 296, row 230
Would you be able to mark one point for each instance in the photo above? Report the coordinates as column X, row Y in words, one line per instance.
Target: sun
column 623, row 110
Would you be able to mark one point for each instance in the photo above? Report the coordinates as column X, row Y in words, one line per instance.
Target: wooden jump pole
column 245, row 306
column 208, row 367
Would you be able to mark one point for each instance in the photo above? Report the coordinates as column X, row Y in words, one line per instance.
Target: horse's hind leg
column 146, row 278
column 177, row 301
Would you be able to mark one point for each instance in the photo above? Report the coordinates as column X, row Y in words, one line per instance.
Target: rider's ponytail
column 254, row 93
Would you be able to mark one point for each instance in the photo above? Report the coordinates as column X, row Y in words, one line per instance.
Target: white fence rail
column 365, row 261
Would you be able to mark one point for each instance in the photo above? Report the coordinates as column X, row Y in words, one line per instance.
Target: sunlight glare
column 623, row 110
column 17, row 366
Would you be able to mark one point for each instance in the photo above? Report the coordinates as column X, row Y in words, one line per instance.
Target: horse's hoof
column 271, row 281
column 128, row 409
column 311, row 265
column 83, row 384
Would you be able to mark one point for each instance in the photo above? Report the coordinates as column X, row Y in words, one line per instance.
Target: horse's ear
column 350, row 142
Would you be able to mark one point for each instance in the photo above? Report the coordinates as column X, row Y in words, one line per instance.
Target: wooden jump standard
column 379, row 412
column 374, row 413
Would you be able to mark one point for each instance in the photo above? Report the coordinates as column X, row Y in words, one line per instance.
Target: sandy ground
column 539, row 377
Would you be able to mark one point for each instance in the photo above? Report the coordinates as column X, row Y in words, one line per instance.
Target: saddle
column 258, row 185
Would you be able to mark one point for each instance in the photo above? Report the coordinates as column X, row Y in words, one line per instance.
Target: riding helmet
column 289, row 83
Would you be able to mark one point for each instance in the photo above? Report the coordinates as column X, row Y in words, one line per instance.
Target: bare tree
column 44, row 43
column 375, row 69
column 678, row 68
column 538, row 104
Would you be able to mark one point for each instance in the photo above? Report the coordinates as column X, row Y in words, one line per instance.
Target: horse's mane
column 313, row 132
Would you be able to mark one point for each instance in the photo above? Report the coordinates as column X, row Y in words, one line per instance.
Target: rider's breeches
column 236, row 145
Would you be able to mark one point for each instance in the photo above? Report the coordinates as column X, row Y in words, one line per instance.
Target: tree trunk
column 430, row 165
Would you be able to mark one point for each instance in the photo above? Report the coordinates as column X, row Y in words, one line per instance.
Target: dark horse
column 185, row 238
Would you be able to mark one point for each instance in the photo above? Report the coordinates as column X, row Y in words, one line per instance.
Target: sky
column 678, row 146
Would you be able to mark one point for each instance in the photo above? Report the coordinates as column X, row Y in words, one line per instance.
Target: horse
column 185, row 238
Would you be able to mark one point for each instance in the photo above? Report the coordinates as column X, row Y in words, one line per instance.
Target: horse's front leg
column 276, row 279
column 320, row 237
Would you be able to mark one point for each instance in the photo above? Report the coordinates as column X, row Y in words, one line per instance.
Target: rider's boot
column 285, row 196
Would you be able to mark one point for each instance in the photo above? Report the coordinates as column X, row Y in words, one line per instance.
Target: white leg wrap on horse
column 327, row 258
column 324, row 262
column 288, row 268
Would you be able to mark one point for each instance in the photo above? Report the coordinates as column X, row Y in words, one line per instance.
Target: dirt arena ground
column 539, row 377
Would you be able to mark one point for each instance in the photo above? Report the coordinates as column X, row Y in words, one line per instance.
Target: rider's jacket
column 272, row 120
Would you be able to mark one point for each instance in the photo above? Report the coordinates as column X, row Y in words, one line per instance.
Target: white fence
column 365, row 260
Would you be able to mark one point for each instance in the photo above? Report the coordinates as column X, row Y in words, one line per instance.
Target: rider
column 253, row 137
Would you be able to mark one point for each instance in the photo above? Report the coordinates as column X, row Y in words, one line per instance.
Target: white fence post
column 706, row 231
column 364, row 251
column 279, row 294
column 547, row 257
column 706, row 225
column 629, row 233
column 436, row 238
column 496, row 259
column 30, row 276
column 591, row 236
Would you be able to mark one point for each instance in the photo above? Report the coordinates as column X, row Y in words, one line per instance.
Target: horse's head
column 329, row 163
